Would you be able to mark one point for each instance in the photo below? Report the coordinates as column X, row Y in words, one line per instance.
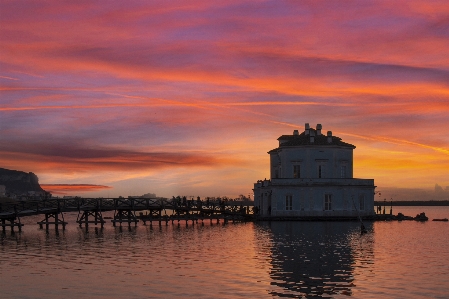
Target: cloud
column 63, row 189
column 188, row 49
column 74, row 158
column 149, row 87
column 403, row 142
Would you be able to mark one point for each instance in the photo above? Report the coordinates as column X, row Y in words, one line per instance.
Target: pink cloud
column 64, row 189
column 155, row 86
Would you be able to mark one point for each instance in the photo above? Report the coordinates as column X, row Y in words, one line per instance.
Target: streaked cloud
column 67, row 157
column 120, row 94
column 63, row 189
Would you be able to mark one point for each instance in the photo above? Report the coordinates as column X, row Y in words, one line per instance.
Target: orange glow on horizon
column 149, row 97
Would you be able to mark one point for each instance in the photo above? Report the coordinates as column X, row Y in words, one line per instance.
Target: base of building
column 377, row 217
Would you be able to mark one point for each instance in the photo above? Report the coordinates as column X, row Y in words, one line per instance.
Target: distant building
column 311, row 175
column 146, row 195
column 149, row 195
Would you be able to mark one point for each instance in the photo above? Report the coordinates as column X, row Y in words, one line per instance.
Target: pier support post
column 124, row 216
column 12, row 223
column 83, row 218
column 53, row 215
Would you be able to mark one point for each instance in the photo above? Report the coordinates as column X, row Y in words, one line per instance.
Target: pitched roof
column 303, row 139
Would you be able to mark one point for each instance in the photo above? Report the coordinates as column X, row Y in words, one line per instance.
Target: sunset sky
column 109, row 98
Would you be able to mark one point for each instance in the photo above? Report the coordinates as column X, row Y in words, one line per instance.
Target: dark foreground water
column 248, row 260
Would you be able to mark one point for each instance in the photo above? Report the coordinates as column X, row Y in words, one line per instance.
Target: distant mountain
column 19, row 182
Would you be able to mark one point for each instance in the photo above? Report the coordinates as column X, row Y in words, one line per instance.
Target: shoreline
column 429, row 203
column 378, row 217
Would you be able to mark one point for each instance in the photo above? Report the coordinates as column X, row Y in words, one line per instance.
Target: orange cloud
column 63, row 189
column 147, row 87
column 72, row 158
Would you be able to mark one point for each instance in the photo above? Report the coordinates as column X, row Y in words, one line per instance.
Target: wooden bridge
column 160, row 210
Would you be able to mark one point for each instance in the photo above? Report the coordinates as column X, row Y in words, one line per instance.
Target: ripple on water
column 263, row 260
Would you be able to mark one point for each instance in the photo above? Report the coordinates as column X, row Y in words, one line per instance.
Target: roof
column 303, row 139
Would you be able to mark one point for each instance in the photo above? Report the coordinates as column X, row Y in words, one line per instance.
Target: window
column 362, row 202
column 328, row 202
column 288, row 202
column 320, row 171
column 343, row 172
column 296, row 172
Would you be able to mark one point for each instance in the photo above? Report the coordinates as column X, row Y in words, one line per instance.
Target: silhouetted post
column 56, row 218
column 391, row 208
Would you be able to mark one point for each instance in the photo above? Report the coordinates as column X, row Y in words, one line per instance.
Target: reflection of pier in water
column 151, row 210
column 313, row 259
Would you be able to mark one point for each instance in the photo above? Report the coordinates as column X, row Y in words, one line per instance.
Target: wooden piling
column 56, row 221
column 83, row 218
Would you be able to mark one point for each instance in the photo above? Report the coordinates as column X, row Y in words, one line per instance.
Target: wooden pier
column 13, row 222
column 159, row 210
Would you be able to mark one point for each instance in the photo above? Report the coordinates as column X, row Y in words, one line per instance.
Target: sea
column 282, row 259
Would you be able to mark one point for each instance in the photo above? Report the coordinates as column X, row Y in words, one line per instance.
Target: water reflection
column 316, row 259
column 247, row 260
column 86, row 234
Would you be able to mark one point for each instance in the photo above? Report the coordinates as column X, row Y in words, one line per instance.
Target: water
column 247, row 260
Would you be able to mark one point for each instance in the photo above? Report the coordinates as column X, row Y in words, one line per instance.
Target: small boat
column 440, row 219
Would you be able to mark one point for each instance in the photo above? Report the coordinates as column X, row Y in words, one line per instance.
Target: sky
column 119, row 98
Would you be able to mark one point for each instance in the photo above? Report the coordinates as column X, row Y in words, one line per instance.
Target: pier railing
column 156, row 209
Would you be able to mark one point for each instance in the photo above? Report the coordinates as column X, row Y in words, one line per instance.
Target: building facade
column 311, row 175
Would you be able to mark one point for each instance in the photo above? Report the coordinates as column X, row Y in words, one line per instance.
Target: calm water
column 249, row 260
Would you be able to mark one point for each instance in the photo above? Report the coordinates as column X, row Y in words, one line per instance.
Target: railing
column 25, row 208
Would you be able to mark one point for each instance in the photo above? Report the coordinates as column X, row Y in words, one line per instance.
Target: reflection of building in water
column 315, row 258
column 312, row 176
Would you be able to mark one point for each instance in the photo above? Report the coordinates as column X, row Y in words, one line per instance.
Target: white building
column 311, row 175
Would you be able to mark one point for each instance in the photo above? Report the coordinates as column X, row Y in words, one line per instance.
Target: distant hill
column 20, row 182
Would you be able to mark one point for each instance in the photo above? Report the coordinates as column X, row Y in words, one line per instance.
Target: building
column 311, row 175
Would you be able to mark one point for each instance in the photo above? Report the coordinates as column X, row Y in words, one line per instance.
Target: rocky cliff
column 19, row 182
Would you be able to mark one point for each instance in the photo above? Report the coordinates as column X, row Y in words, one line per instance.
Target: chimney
column 329, row 136
column 312, row 136
column 295, row 132
column 318, row 129
column 306, row 131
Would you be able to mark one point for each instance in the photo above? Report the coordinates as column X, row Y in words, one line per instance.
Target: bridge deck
column 157, row 209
